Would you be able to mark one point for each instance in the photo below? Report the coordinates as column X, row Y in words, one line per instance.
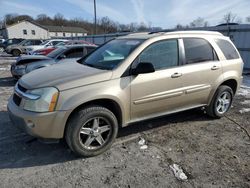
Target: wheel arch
column 110, row 104
column 15, row 49
column 232, row 83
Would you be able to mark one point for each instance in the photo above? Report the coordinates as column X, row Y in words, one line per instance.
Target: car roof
column 79, row 45
column 148, row 35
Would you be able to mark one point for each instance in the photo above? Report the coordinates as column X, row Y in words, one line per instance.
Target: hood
column 36, row 47
column 13, row 45
column 64, row 76
column 39, row 64
column 25, row 59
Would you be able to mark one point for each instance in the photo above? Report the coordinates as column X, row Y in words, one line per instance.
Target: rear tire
column 91, row 131
column 221, row 102
column 16, row 52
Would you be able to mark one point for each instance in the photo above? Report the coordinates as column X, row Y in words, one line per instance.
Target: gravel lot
column 212, row 153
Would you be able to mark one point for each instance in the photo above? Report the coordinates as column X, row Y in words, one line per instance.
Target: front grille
column 17, row 99
column 21, row 88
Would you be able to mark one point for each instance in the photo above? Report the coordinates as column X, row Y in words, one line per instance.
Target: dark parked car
column 28, row 63
column 8, row 42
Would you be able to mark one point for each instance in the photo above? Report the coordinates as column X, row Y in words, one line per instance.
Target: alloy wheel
column 95, row 133
column 223, row 102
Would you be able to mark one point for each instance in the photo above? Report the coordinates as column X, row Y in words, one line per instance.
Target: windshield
column 45, row 42
column 111, row 54
column 25, row 43
column 56, row 52
column 60, row 44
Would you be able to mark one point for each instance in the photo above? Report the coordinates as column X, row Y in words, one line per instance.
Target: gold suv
column 128, row 79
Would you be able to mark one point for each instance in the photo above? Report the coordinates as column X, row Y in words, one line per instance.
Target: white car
column 46, row 44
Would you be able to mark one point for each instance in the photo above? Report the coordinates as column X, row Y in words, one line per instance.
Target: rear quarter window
column 228, row 49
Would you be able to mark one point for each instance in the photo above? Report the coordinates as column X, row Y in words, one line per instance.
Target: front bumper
column 49, row 125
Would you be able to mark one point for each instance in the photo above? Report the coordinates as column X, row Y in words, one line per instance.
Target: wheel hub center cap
column 94, row 133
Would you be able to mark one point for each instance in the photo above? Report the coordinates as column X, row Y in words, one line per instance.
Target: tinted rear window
column 227, row 48
column 198, row 50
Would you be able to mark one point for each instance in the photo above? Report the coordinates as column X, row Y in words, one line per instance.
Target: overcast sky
column 163, row 13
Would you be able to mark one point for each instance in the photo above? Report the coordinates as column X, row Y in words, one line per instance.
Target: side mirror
column 143, row 68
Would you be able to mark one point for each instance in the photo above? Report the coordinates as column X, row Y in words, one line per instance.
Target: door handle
column 215, row 67
column 176, row 75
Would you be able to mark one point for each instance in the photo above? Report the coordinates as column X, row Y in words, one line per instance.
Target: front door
column 161, row 91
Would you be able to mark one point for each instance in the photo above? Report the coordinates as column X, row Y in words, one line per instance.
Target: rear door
column 200, row 72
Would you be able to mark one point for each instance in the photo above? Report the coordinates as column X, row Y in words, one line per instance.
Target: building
column 32, row 30
column 62, row 31
column 26, row 30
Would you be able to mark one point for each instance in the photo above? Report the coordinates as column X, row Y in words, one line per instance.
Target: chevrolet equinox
column 128, row 79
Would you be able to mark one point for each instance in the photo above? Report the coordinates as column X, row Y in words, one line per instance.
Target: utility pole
column 95, row 15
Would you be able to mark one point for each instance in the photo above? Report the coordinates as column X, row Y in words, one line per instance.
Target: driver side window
column 162, row 54
column 75, row 53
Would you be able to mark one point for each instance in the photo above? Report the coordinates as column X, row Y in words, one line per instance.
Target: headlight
column 20, row 67
column 45, row 103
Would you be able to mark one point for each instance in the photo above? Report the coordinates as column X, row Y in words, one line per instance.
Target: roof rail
column 137, row 33
column 159, row 31
column 203, row 32
column 187, row 32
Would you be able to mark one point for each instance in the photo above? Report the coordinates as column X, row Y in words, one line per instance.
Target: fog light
column 30, row 124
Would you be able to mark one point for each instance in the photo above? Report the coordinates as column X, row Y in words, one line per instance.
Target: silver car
column 18, row 49
column 28, row 63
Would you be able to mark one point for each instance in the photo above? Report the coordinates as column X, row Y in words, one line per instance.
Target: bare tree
column 231, row 18
column 104, row 25
column 199, row 22
column 142, row 27
column 13, row 18
column 59, row 19
column 43, row 19
column 107, row 25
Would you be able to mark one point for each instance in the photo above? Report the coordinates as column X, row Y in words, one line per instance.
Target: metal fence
column 239, row 34
column 99, row 39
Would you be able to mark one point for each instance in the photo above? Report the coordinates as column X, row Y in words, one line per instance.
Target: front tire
column 16, row 52
column 91, row 131
column 221, row 102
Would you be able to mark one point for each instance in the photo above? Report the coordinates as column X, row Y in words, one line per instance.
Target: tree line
column 106, row 25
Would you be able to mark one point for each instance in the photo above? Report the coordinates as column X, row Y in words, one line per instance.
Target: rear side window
column 90, row 49
column 227, row 48
column 198, row 50
column 74, row 53
column 37, row 42
column 55, row 42
column 162, row 54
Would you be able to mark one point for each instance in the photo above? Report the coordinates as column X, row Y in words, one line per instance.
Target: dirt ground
column 212, row 153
